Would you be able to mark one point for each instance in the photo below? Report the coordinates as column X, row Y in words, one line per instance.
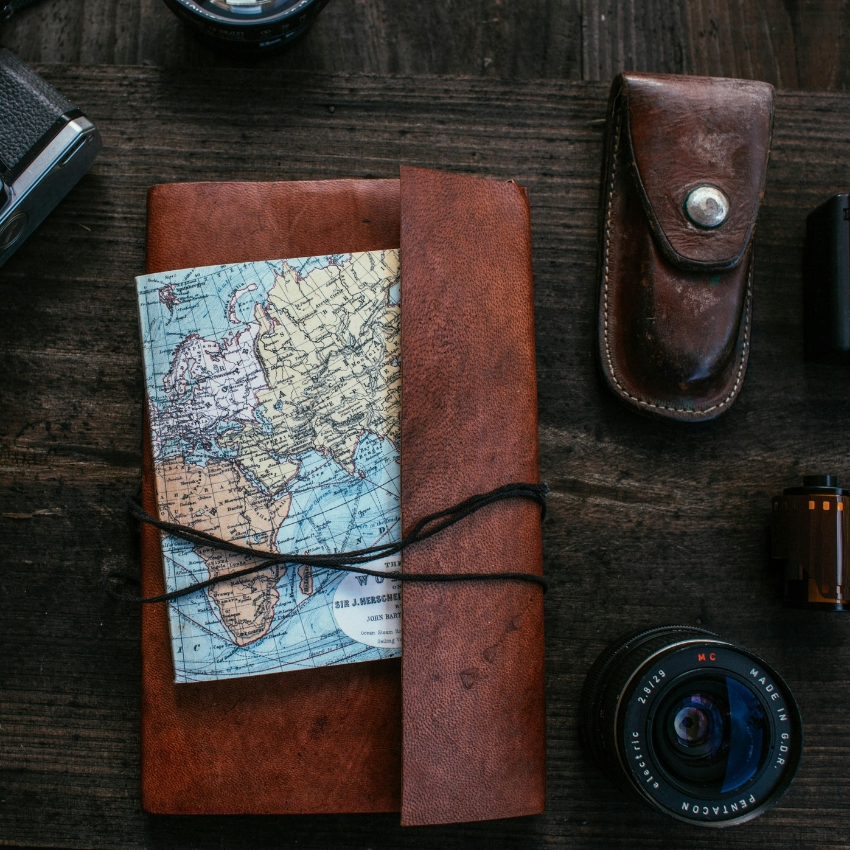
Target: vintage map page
column 274, row 394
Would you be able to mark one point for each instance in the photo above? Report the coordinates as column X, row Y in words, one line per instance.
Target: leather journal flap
column 473, row 730
column 688, row 133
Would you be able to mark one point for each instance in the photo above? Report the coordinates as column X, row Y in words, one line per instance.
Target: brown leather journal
column 456, row 731
column 685, row 169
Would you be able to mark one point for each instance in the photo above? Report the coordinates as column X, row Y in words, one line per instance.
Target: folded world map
column 274, row 395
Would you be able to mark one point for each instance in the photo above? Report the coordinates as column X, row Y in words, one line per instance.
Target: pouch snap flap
column 683, row 138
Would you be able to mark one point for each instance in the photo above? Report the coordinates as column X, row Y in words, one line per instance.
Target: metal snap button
column 707, row 206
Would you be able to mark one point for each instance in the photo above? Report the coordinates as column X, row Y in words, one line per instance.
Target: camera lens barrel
column 701, row 729
column 248, row 25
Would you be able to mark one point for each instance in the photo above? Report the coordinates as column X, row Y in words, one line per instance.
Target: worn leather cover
column 675, row 299
column 325, row 740
column 472, row 663
column 330, row 740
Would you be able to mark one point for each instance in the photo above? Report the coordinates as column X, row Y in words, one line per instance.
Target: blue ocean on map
column 332, row 511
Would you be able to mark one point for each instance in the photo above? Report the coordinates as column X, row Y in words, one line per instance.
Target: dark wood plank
column 525, row 39
column 650, row 36
column 649, row 523
column 789, row 44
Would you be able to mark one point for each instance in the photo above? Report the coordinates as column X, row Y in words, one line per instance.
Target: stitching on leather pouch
column 608, row 215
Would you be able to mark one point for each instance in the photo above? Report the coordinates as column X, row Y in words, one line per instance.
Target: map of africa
column 274, row 393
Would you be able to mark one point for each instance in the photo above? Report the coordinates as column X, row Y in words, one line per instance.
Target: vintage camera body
column 46, row 145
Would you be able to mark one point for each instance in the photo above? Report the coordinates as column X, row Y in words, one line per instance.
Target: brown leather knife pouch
column 675, row 296
column 455, row 730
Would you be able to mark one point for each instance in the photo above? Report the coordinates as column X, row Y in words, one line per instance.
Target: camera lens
column 249, row 24
column 700, row 728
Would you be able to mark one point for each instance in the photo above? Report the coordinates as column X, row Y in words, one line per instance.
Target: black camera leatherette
column 29, row 107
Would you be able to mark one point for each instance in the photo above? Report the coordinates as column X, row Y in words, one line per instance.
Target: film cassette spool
column 809, row 532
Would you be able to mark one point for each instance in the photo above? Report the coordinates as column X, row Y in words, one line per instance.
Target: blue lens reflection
column 747, row 724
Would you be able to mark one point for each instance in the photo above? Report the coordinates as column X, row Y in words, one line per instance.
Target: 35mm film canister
column 809, row 531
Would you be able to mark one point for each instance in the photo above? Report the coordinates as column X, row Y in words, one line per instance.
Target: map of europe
column 274, row 392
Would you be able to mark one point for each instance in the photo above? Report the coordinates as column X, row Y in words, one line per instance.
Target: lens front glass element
column 246, row 10
column 711, row 735
column 697, row 729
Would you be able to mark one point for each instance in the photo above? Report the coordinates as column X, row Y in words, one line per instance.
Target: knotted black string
column 344, row 561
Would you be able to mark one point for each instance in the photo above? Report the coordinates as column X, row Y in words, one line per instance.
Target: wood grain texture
column 790, row 43
column 649, row 523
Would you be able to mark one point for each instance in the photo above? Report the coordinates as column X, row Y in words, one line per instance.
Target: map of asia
column 274, row 395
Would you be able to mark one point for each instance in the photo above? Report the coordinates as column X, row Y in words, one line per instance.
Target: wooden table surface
column 649, row 523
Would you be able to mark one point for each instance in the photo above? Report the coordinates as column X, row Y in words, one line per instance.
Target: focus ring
column 617, row 653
